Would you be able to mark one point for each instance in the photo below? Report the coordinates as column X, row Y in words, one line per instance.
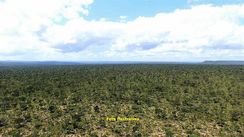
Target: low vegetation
column 169, row 100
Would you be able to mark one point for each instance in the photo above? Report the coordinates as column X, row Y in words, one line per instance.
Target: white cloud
column 123, row 17
column 56, row 31
column 21, row 21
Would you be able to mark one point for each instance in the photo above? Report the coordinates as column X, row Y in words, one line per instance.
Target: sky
column 121, row 30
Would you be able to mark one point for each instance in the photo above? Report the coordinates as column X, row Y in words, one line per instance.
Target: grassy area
column 168, row 100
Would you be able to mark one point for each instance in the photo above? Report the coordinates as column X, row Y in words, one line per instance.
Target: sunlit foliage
column 170, row 100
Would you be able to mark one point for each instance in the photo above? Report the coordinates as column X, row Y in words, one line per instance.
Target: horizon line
column 116, row 61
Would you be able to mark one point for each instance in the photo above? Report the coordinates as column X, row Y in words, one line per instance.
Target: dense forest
column 76, row 100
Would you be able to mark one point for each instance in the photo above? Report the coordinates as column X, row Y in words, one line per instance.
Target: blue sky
column 113, row 9
column 122, row 30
